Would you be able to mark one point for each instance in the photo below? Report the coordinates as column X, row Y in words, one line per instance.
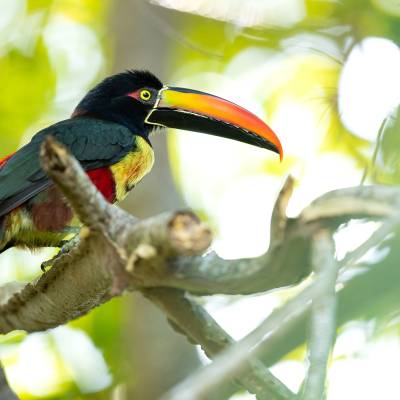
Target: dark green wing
column 95, row 143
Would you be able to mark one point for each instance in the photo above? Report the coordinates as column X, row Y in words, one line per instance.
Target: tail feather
column 3, row 243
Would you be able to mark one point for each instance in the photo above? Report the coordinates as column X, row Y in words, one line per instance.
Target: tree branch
column 81, row 280
column 164, row 251
column 323, row 316
column 287, row 260
column 233, row 360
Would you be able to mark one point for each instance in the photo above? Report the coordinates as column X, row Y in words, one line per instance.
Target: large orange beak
column 192, row 110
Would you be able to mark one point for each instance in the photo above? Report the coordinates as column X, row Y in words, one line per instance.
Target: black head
column 125, row 98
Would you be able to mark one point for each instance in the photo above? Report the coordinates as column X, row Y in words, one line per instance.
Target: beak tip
column 278, row 149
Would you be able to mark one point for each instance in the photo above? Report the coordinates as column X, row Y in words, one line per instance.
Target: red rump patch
column 51, row 213
column 5, row 159
column 103, row 179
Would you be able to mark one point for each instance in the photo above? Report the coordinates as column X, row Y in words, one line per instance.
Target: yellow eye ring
column 145, row 95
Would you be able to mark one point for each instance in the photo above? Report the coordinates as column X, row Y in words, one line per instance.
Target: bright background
column 323, row 73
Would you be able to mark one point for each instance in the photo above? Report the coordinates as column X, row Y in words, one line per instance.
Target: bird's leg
column 65, row 247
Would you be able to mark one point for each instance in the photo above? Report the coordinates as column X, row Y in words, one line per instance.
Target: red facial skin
column 136, row 94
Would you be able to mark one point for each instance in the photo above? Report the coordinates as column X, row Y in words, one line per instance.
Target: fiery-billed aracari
column 108, row 133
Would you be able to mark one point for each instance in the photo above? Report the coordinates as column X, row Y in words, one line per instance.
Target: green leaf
column 386, row 169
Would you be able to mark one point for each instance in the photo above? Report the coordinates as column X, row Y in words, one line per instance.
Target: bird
column 109, row 134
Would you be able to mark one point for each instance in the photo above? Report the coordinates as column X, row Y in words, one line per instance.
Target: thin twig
column 388, row 226
column 234, row 359
column 323, row 316
column 279, row 218
column 376, row 148
column 297, row 322
column 201, row 328
column 283, row 340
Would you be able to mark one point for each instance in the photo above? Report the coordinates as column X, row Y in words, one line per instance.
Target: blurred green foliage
column 26, row 92
column 386, row 167
column 307, row 75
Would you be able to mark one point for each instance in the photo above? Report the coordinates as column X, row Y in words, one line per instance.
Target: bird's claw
column 65, row 247
column 45, row 264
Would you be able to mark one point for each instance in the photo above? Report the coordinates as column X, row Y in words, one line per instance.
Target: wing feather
column 95, row 143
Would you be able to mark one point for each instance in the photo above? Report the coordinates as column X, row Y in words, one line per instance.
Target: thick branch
column 81, row 280
column 287, row 260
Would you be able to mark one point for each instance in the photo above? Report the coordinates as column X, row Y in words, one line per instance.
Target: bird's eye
column 145, row 95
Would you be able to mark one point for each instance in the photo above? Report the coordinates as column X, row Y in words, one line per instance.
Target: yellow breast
column 132, row 168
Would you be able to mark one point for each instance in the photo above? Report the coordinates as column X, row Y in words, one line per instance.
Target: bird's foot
column 65, row 247
column 46, row 264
